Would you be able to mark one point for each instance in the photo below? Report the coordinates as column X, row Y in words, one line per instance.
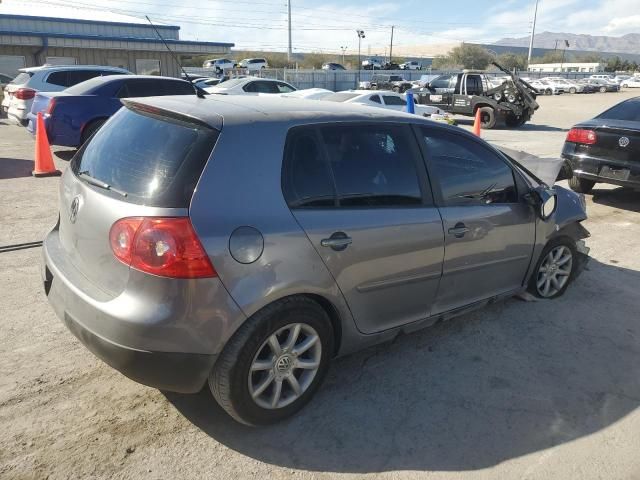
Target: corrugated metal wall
column 96, row 56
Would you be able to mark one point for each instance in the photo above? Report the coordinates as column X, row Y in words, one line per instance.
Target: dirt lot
column 521, row 390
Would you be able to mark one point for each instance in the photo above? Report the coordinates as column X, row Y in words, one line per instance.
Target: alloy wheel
column 284, row 366
column 554, row 271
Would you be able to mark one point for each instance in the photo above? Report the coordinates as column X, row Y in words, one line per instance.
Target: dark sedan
column 606, row 148
column 602, row 86
column 73, row 115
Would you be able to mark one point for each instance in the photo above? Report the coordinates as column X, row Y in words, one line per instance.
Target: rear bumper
column 590, row 168
column 163, row 333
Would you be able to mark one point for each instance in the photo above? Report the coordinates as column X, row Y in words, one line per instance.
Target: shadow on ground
column 531, row 127
column 506, row 381
column 65, row 154
column 622, row 198
column 15, row 168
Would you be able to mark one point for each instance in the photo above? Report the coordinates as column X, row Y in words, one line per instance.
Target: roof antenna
column 199, row 92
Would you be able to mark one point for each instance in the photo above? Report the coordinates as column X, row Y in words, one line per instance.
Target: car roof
column 71, row 67
column 216, row 110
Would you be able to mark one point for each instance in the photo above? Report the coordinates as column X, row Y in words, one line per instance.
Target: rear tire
column 235, row 375
column 548, row 91
column 572, row 90
column 487, row 118
column 90, row 129
column 581, row 185
column 603, row 89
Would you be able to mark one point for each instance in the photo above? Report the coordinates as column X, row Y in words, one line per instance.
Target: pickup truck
column 387, row 82
column 465, row 93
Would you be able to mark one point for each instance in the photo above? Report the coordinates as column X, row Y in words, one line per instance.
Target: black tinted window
column 372, row 165
column 306, row 178
column 174, row 87
column 467, row 172
column 474, row 85
column 393, row 100
column 261, row 87
column 58, row 78
column 375, row 98
column 77, row 76
column 628, row 110
column 155, row 160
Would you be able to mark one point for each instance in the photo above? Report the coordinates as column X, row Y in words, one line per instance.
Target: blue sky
column 327, row 25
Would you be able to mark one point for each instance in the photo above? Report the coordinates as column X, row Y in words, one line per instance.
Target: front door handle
column 338, row 241
column 459, row 230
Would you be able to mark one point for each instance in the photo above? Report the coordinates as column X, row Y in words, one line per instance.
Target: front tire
column 572, row 90
column 581, row 185
column 555, row 269
column 513, row 122
column 603, row 89
column 274, row 363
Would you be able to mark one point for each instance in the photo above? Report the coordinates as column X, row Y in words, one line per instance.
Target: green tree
column 444, row 62
column 512, row 60
column 471, row 56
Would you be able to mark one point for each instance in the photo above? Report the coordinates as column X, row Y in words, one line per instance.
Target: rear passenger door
column 489, row 229
column 360, row 193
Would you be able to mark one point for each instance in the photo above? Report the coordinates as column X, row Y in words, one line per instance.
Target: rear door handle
column 338, row 241
column 459, row 230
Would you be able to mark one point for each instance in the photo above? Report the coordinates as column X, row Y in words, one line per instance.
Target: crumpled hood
column 546, row 169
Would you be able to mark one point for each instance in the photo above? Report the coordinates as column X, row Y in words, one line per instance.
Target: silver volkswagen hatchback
column 245, row 242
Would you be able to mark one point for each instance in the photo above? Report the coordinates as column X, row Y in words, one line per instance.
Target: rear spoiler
column 164, row 114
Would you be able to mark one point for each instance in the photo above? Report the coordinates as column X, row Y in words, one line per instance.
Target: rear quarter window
column 156, row 160
column 628, row 110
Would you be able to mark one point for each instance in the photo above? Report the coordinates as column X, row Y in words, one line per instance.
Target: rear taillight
column 163, row 246
column 24, row 94
column 580, row 135
column 50, row 106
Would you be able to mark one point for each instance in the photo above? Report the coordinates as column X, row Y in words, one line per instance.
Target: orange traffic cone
column 476, row 123
column 44, row 161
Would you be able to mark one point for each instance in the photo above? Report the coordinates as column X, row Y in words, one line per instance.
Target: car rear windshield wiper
column 97, row 183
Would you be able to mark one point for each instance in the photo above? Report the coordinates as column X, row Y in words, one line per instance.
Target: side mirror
column 545, row 200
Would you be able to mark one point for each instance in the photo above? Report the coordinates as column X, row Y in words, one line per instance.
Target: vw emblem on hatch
column 623, row 142
column 75, row 206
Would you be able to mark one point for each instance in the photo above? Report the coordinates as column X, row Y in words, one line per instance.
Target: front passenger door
column 489, row 229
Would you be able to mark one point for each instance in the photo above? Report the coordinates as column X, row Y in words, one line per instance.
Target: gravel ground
column 525, row 390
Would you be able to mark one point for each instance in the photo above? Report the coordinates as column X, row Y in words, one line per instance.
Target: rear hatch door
column 140, row 163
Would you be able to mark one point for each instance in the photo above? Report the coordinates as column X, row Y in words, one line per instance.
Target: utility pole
column 289, row 50
column 360, row 37
column 344, row 49
column 533, row 32
column 391, row 46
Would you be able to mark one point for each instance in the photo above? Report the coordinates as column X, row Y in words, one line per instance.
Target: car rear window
column 628, row 110
column 85, row 88
column 156, row 160
column 22, row 78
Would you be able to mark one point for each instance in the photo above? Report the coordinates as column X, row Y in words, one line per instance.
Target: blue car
column 73, row 115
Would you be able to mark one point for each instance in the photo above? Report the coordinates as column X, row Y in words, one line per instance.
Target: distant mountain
column 629, row 43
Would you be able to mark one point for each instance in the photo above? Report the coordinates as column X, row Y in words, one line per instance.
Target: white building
column 566, row 67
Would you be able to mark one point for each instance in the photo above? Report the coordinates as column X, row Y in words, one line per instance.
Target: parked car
column 309, row 93
column 543, row 87
column 587, row 87
column 219, row 64
column 390, row 66
column 606, row 148
column 602, row 76
column 5, row 80
column 73, row 115
column 631, row 82
column 332, row 66
column 423, row 81
column 384, row 99
column 387, row 82
column 412, row 65
column 253, row 64
column 250, row 85
column 603, row 85
column 567, row 86
column 619, row 79
column 372, row 64
column 20, row 92
column 341, row 245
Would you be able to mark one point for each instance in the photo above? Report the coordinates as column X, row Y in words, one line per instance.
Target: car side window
column 441, row 82
column 375, row 98
column 393, row 100
column 467, row 172
column 373, row 165
column 173, row 87
column 283, row 88
column 261, row 87
column 77, row 76
column 306, row 178
column 58, row 78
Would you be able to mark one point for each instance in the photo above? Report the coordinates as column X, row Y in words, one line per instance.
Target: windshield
column 157, row 161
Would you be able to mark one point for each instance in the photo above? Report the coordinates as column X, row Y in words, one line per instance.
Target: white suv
column 413, row 65
column 253, row 63
column 19, row 94
column 220, row 64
